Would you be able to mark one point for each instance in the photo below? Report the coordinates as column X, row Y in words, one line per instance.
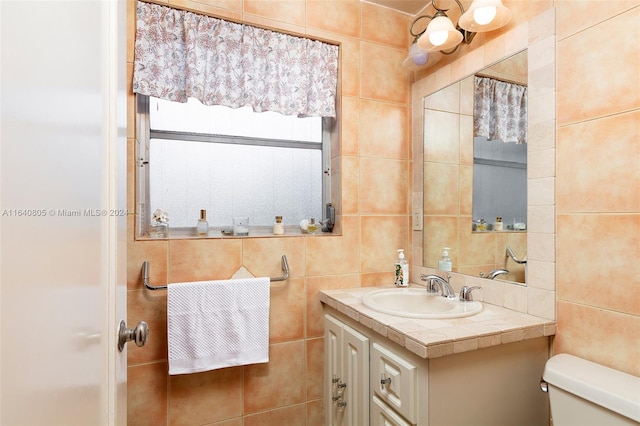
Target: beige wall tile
column 294, row 415
column 586, row 275
column 315, row 413
column 385, row 26
column 315, row 320
column 383, row 188
column 439, row 232
column 287, row 11
column 383, row 128
column 350, row 67
column 606, row 337
column 287, row 311
column 149, row 306
column 575, row 54
column 576, row 16
column 465, row 202
column 350, row 126
column 232, row 422
column 285, row 372
column 337, row 16
column 381, row 73
column 350, row 185
column 263, row 256
column 442, row 141
column 332, row 255
column 541, row 303
column 147, row 395
column 381, row 237
column 207, row 259
column 206, row 397
column 156, row 253
column 315, row 368
column 446, row 99
column 600, row 159
column 441, row 188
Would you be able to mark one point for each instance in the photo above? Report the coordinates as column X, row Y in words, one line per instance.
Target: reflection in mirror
column 469, row 183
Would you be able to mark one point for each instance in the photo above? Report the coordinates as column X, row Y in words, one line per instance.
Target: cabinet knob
column 384, row 380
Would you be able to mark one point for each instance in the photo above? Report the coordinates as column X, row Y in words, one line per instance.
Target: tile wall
column 373, row 168
column 598, row 182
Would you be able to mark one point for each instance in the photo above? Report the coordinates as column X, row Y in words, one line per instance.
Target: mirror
column 467, row 184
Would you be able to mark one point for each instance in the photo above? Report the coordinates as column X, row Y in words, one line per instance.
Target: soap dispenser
column 445, row 264
column 402, row 270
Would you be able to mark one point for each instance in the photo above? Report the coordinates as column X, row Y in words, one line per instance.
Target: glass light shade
column 484, row 15
column 419, row 56
column 420, row 59
column 440, row 35
column 476, row 22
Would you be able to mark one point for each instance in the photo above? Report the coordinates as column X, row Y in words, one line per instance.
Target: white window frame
column 144, row 134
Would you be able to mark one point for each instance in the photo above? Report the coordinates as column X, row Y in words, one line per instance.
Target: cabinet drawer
column 382, row 415
column 401, row 392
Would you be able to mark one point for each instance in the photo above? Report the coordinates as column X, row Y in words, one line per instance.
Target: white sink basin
column 417, row 303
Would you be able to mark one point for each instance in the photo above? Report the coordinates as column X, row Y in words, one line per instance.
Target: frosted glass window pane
column 197, row 118
column 234, row 180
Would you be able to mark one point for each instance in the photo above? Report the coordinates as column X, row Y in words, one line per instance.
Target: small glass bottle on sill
column 278, row 226
column 158, row 230
column 159, row 226
column 202, row 228
column 313, row 227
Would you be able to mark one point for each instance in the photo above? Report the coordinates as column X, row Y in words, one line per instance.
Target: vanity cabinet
column 494, row 386
column 346, row 374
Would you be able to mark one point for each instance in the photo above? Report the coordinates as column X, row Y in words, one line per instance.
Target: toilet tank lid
column 612, row 389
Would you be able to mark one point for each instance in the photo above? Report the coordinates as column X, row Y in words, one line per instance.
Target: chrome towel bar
column 145, row 274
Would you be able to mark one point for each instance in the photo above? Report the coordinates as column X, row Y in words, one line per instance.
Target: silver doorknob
column 138, row 334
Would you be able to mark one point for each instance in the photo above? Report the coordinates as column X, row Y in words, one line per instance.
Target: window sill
column 216, row 233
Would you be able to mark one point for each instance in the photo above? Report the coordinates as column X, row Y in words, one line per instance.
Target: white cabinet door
column 346, row 375
column 382, row 415
column 400, row 388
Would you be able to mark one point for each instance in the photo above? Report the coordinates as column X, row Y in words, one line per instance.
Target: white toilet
column 584, row 393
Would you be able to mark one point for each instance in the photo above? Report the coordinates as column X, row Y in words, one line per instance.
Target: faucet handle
column 465, row 293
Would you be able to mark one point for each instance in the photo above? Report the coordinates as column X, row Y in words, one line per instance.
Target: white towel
column 217, row 324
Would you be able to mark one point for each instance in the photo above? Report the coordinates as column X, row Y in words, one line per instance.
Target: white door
column 63, row 172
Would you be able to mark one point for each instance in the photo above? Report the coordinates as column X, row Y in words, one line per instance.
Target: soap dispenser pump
column 402, row 270
column 445, row 264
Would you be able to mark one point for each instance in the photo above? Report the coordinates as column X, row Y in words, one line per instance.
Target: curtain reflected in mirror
column 475, row 172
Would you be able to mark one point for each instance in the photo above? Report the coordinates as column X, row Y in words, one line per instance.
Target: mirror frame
column 537, row 36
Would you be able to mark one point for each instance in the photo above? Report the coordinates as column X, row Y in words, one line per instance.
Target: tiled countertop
column 432, row 338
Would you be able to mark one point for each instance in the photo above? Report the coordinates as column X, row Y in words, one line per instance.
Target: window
column 230, row 162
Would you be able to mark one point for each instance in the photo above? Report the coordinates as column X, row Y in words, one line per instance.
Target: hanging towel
column 217, row 324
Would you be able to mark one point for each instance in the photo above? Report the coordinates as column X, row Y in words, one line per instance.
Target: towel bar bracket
column 145, row 274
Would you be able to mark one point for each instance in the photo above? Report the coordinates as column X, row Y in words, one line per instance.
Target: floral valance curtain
column 179, row 54
column 500, row 110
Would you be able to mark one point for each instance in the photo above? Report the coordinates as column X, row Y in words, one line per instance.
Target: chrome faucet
column 435, row 281
column 491, row 275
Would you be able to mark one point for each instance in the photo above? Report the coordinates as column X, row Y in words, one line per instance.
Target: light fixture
column 419, row 58
column 441, row 36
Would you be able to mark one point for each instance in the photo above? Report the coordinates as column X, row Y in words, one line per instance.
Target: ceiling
column 412, row 7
